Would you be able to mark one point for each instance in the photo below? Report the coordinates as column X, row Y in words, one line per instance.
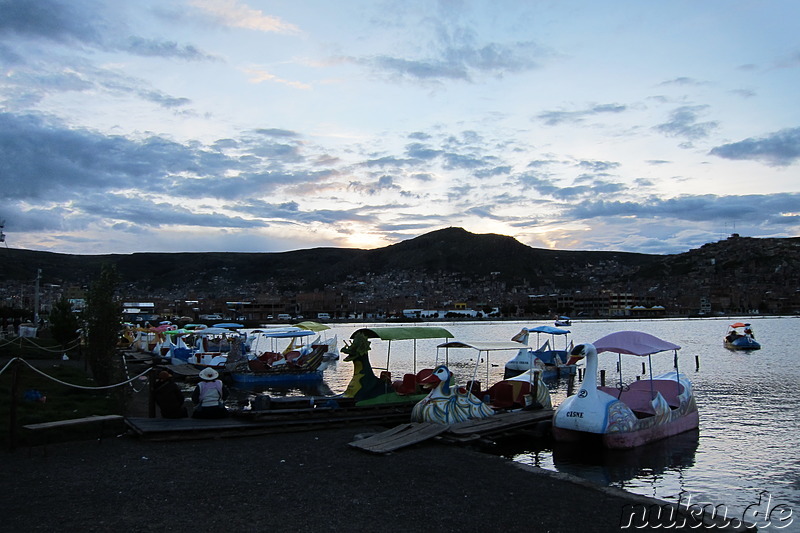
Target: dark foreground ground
column 310, row 482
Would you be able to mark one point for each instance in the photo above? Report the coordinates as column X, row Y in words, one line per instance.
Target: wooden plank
column 500, row 422
column 399, row 437
column 73, row 421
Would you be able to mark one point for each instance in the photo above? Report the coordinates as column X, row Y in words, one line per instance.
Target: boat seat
column 474, row 387
column 407, row 386
column 292, row 356
column 270, row 357
column 385, row 376
column 638, row 400
column 668, row 388
column 257, row 366
column 501, row 395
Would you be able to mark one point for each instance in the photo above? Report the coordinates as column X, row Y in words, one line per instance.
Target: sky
column 268, row 126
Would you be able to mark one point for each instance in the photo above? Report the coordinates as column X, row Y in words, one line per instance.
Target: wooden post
column 570, row 384
column 151, row 397
column 602, row 378
column 697, row 362
column 535, row 388
column 12, row 412
column 644, row 369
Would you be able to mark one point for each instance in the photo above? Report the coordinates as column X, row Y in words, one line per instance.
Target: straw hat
column 209, row 374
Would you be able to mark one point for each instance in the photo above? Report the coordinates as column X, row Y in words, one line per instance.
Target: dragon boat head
column 357, row 349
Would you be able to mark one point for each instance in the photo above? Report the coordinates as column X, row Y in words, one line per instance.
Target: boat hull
column 742, row 344
column 277, row 378
column 632, row 439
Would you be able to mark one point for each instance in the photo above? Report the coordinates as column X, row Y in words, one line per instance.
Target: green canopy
column 312, row 326
column 401, row 333
column 404, row 333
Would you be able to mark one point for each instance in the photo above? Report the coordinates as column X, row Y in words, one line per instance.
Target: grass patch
column 59, row 402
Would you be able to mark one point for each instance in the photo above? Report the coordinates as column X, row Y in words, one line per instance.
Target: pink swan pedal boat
column 629, row 415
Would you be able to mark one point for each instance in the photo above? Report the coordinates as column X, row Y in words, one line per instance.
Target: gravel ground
column 304, row 481
column 291, row 482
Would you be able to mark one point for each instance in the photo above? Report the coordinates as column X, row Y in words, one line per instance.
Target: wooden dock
column 267, row 421
column 416, row 432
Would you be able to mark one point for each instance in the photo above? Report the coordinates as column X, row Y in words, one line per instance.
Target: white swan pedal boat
column 628, row 415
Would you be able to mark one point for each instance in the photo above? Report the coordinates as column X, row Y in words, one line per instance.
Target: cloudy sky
column 271, row 125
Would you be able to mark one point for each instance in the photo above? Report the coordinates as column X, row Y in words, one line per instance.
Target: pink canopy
column 633, row 343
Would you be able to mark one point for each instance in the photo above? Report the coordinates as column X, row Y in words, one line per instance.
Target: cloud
column 755, row 209
column 51, row 20
column 457, row 54
column 684, row 81
column 552, row 187
column 553, row 118
column 383, row 183
column 781, row 148
column 89, row 24
column 258, row 75
column 154, row 48
column 684, row 123
column 239, row 15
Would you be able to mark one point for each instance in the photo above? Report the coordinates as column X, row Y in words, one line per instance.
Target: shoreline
column 309, row 481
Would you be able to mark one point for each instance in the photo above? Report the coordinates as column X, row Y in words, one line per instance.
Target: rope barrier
column 10, row 340
column 83, row 387
column 128, row 374
column 71, row 345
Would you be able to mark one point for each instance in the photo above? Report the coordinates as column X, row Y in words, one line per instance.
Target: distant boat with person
column 740, row 336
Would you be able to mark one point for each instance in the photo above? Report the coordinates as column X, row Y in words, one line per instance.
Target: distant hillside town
column 447, row 274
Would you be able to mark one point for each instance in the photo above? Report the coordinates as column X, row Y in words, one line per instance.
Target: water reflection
column 616, row 467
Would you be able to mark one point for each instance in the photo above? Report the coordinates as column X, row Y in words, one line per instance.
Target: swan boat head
column 446, row 404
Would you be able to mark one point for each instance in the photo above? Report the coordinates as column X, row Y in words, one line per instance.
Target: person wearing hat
column 209, row 396
column 169, row 397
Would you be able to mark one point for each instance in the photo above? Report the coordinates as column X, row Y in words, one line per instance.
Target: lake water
column 748, row 444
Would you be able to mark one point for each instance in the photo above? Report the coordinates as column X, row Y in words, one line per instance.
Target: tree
column 103, row 317
column 63, row 323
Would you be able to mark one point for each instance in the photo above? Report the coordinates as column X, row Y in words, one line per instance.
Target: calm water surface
column 749, row 437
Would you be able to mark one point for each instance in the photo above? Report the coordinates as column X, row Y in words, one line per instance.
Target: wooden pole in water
column 602, row 378
column 570, row 384
column 644, row 369
column 697, row 362
column 535, row 388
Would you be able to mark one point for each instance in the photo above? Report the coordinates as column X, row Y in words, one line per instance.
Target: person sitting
column 209, row 396
column 169, row 397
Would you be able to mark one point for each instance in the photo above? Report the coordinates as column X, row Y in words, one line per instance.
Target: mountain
column 754, row 267
column 451, row 250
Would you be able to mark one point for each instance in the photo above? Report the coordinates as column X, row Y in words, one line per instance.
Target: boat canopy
column 404, row 333
column 180, row 331
column 286, row 333
column 213, row 331
column 312, row 326
column 633, row 343
column 228, row 325
column 484, row 346
column 549, row 330
column 739, row 325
